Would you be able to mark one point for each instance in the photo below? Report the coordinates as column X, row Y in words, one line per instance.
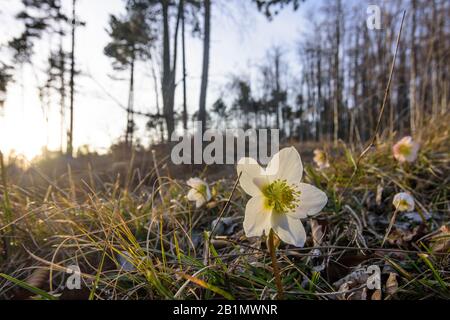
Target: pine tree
column 131, row 40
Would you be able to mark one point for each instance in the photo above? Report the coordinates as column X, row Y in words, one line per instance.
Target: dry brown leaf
column 317, row 232
column 391, row 284
column 344, row 287
column 212, row 204
column 441, row 241
column 360, row 294
column 402, row 237
column 355, row 278
column 376, row 295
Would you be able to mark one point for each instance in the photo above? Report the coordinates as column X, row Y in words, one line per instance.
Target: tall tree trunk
column 337, row 84
column 169, row 69
column 435, row 85
column 440, row 56
column 206, row 47
column 412, row 83
column 367, row 104
column 183, row 44
column 62, row 92
column 277, row 87
column 160, row 121
column 319, row 93
column 167, row 72
column 355, row 88
column 72, row 84
column 72, row 81
column 130, row 112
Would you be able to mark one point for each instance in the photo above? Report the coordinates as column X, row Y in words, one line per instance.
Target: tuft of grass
column 134, row 234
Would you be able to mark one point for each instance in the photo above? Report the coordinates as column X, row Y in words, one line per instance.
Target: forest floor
column 129, row 227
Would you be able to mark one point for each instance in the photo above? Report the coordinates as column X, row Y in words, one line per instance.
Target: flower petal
column 261, row 182
column 257, row 217
column 250, row 170
column 286, row 165
column 312, row 201
column 414, row 150
column 289, row 229
column 193, row 195
column 195, row 183
column 199, row 202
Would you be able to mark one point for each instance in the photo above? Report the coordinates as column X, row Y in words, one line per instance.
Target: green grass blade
column 28, row 287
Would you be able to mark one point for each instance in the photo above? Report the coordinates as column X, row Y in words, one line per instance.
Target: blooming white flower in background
column 279, row 200
column 406, row 150
column 403, row 201
column 321, row 159
column 199, row 192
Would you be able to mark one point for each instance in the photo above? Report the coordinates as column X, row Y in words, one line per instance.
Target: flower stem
column 276, row 269
column 391, row 223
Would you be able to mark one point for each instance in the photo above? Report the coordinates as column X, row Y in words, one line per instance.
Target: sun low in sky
column 99, row 120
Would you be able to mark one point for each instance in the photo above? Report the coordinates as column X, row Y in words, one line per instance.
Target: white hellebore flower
column 405, row 150
column 321, row 159
column 279, row 200
column 199, row 193
column 403, row 201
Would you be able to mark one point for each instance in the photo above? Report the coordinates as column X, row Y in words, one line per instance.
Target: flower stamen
column 405, row 150
column 281, row 197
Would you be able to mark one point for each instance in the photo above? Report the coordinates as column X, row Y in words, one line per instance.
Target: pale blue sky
column 240, row 38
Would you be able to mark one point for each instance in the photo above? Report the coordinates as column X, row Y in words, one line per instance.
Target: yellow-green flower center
column 403, row 205
column 202, row 190
column 405, row 149
column 321, row 157
column 281, row 197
